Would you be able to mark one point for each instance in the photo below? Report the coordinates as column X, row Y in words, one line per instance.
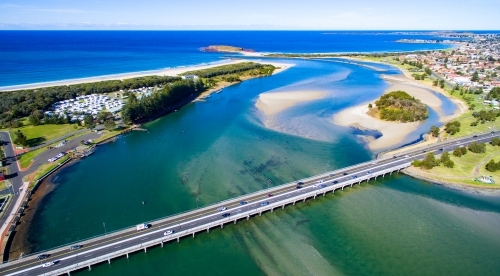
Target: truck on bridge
column 142, row 226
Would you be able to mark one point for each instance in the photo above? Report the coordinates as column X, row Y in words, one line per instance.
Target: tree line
column 22, row 103
column 169, row 97
column 232, row 69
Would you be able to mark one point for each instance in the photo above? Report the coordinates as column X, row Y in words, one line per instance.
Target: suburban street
column 186, row 224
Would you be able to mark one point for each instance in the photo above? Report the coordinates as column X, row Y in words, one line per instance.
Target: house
column 189, row 77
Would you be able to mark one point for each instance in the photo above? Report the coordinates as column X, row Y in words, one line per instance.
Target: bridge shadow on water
column 443, row 194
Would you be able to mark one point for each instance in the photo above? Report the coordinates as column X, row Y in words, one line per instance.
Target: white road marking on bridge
column 88, row 255
column 117, row 246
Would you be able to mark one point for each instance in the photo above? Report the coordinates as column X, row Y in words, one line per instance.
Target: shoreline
column 483, row 190
column 175, row 71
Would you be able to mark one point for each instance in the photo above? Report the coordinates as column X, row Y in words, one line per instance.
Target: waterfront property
column 123, row 242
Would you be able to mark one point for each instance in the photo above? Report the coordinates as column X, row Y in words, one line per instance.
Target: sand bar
column 393, row 132
column 272, row 103
column 160, row 72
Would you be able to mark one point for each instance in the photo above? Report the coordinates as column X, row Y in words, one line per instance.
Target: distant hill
column 224, row 48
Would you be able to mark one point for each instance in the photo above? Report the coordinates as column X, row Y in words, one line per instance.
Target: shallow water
column 219, row 149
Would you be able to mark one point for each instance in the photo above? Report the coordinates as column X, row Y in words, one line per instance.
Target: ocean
column 41, row 56
column 212, row 150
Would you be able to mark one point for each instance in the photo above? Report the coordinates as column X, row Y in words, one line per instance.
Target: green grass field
column 39, row 134
column 26, row 158
column 465, row 168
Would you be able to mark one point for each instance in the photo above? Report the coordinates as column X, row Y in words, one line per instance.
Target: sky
column 250, row 15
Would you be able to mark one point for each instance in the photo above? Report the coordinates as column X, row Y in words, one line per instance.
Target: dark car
column 345, row 173
column 331, row 175
column 243, row 203
column 225, row 215
column 474, row 136
column 270, row 195
column 441, row 149
column 354, row 176
column 43, row 256
column 300, row 183
column 323, row 185
column 264, row 203
column 298, row 187
column 335, row 182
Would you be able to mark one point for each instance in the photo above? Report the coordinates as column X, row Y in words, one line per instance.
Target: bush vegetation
column 234, row 70
column 399, row 106
column 22, row 103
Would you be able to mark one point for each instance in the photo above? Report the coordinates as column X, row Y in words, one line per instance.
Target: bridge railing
column 187, row 212
column 215, row 204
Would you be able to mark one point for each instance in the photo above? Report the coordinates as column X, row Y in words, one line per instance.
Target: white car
column 315, row 185
column 168, row 232
column 47, row 264
column 221, row 209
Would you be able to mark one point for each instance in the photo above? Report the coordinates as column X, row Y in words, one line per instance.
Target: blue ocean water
column 41, row 56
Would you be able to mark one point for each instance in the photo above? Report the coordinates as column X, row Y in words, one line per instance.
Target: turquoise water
column 219, row 149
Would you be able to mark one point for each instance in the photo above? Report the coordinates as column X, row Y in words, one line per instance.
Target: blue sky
column 251, row 15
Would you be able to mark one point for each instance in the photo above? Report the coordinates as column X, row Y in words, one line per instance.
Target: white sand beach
column 161, row 72
column 392, row 132
column 272, row 103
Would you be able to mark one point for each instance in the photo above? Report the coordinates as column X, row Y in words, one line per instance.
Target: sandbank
column 393, row 132
column 272, row 103
column 161, row 72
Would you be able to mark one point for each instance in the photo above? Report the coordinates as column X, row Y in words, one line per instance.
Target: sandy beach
column 393, row 132
column 161, row 72
column 272, row 103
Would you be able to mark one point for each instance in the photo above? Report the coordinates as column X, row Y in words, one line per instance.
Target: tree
column 110, row 124
column 370, row 106
column 477, row 147
column 449, row 164
column 457, row 152
column 434, row 131
column 445, row 157
column 452, row 127
column 20, row 138
column 428, row 71
column 429, row 161
column 495, row 141
column 34, row 120
column 492, row 166
column 88, row 120
column 464, row 150
column 475, row 77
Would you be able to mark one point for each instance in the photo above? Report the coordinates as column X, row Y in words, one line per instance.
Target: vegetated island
column 399, row 106
column 224, row 49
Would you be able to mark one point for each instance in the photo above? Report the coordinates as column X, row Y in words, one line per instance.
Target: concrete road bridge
column 188, row 224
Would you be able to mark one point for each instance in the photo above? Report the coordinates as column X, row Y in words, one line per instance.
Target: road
column 193, row 220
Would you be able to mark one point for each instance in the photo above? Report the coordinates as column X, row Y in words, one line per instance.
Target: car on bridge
column 243, row 203
column 270, row 195
column 354, row 176
column 221, row 209
column 323, row 185
column 346, row 173
column 335, row 182
column 48, row 264
column 265, row 203
column 43, row 256
column 168, row 232
column 225, row 215
column 74, row 247
column 315, row 185
column 298, row 187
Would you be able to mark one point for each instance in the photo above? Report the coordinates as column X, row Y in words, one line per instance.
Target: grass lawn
column 464, row 170
column 2, row 185
column 39, row 134
column 107, row 134
column 26, row 158
column 45, row 168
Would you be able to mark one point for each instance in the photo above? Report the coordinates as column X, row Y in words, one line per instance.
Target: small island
column 224, row 49
column 398, row 106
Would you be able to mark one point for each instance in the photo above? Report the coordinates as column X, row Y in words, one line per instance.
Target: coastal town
column 90, row 120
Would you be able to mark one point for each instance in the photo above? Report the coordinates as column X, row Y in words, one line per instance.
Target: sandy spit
column 274, row 102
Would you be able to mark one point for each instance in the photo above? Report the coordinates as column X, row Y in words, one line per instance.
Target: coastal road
column 15, row 179
column 193, row 220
